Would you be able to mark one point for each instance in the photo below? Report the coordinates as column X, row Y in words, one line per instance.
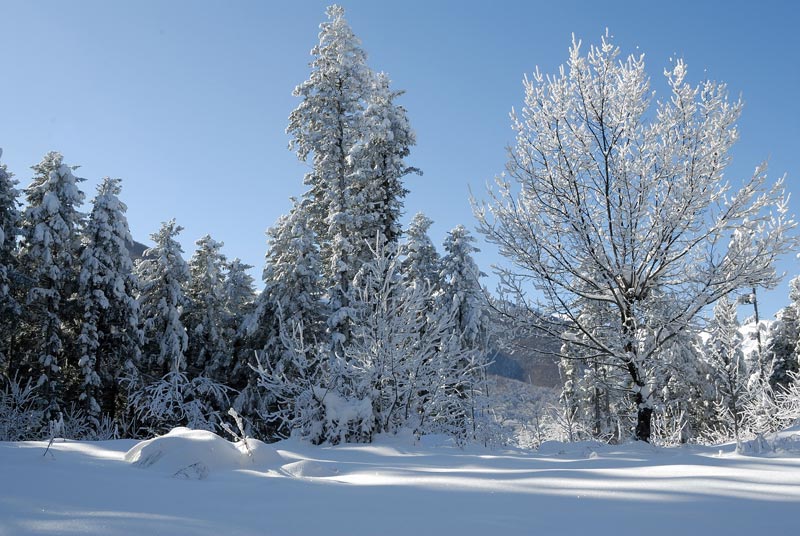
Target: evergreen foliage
column 110, row 339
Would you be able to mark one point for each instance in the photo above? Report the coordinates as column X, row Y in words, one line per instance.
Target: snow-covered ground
column 192, row 482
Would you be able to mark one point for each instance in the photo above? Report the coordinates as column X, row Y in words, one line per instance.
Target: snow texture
column 393, row 487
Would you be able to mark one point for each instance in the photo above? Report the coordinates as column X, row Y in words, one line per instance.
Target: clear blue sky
column 187, row 102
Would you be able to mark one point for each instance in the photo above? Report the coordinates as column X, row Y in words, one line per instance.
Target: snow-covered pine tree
column 290, row 301
column 462, row 293
column 463, row 297
column 379, row 164
column 685, row 407
column 240, row 295
column 356, row 138
column 239, row 298
column 206, row 314
column 724, row 354
column 110, row 339
column 163, row 275
column 784, row 341
column 420, row 263
column 594, row 395
column 10, row 309
column 49, row 256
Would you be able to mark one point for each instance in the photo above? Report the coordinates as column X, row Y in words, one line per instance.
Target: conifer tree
column 10, row 309
column 49, row 255
column 289, row 302
column 163, row 275
column 421, row 262
column 784, row 337
column 206, row 315
column 462, row 292
column 110, row 338
column 356, row 138
column 724, row 354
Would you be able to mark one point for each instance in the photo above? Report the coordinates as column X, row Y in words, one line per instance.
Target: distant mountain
column 530, row 359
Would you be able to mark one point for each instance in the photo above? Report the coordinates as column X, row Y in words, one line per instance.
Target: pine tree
column 463, row 298
column 356, row 138
column 239, row 297
column 289, row 302
column 462, row 292
column 379, row 162
column 724, row 354
column 49, row 254
column 163, row 275
column 784, row 340
column 110, row 339
column 10, row 309
column 167, row 394
column 206, row 315
column 421, row 263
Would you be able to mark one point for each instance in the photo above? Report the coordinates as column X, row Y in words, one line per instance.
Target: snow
column 395, row 486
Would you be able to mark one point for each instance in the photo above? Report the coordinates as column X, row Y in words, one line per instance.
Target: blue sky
column 188, row 102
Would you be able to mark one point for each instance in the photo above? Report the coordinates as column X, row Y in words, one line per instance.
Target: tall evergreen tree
column 356, row 138
column 289, row 303
column 10, row 309
column 724, row 354
column 163, row 274
column 206, row 315
column 462, row 292
column 110, row 338
column 239, row 296
column 49, row 254
column 421, row 262
column 784, row 340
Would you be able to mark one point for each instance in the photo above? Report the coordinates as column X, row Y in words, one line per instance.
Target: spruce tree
column 10, row 309
column 421, row 262
column 110, row 339
column 462, row 292
column 356, row 138
column 163, row 275
column 49, row 254
column 724, row 354
column 784, row 339
column 206, row 316
column 289, row 306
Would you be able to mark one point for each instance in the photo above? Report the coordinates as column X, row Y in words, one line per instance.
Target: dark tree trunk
column 643, row 423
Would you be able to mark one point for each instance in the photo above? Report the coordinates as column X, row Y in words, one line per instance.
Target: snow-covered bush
column 20, row 415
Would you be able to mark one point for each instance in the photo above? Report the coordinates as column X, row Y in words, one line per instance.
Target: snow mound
column 576, row 449
column 310, row 469
column 783, row 443
column 193, row 454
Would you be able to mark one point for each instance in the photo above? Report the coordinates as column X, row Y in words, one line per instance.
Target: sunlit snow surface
column 192, row 482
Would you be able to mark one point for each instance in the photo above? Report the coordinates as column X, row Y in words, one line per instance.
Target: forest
column 624, row 241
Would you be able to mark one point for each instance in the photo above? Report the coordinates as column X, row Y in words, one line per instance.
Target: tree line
column 361, row 327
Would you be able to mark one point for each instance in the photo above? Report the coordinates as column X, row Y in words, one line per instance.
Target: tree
column 239, row 295
column 421, row 262
column 206, row 314
column 782, row 354
column 49, row 253
column 462, row 294
column 356, row 137
column 110, row 339
column 10, row 309
column 290, row 303
column 611, row 201
column 163, row 275
column 167, row 394
column 724, row 354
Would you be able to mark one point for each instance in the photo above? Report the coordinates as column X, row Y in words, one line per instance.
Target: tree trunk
column 643, row 421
